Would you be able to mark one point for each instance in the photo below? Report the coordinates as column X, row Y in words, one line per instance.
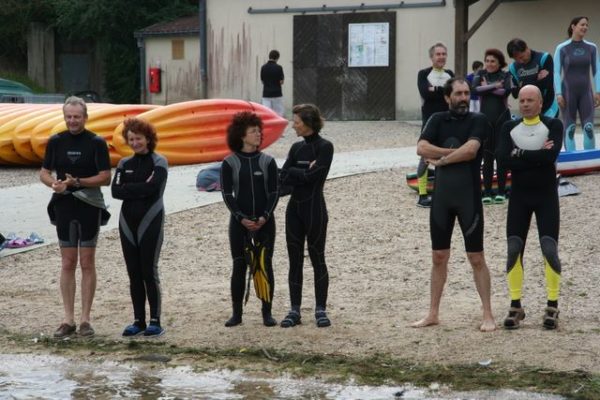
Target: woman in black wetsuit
column 140, row 182
column 306, row 169
column 249, row 187
column 493, row 85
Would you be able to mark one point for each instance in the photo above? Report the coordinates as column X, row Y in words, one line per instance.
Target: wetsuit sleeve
column 512, row 71
column 480, row 130
column 318, row 171
column 596, row 67
column 50, row 155
column 548, row 82
column 139, row 190
column 504, row 145
column 272, row 190
column 423, row 85
column 102, row 157
column 284, row 177
column 227, row 192
column 557, row 71
column 430, row 130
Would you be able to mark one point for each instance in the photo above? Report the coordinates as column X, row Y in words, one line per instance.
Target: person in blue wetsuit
column 533, row 68
column 493, row 84
column 250, row 192
column 529, row 147
column 140, row 182
column 574, row 59
column 306, row 217
column 452, row 142
column 430, row 82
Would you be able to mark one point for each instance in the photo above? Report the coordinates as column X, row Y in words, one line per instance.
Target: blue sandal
column 322, row 319
column 292, row 319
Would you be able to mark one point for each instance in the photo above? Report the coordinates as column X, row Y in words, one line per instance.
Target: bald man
column 529, row 148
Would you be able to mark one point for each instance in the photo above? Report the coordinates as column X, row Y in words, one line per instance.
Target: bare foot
column 427, row 321
column 488, row 325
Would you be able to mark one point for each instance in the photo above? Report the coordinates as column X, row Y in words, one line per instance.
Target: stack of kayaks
column 188, row 133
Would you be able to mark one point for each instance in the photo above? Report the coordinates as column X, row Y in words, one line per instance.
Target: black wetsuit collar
column 249, row 155
column 312, row 138
column 454, row 115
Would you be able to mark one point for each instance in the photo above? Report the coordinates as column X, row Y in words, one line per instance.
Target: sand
column 379, row 258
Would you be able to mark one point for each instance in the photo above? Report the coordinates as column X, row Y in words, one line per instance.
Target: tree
column 111, row 23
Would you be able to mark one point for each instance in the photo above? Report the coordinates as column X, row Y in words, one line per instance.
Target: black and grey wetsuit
column 534, row 191
column 140, row 182
column 457, row 186
column 249, row 188
column 77, row 212
column 494, row 106
column 306, row 215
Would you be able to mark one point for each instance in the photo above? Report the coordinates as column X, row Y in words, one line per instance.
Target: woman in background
column 493, row 85
column 574, row 59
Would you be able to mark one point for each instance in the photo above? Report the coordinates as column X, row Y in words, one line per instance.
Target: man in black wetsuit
column 529, row 147
column 430, row 82
column 82, row 165
column 533, row 68
column 306, row 169
column 452, row 142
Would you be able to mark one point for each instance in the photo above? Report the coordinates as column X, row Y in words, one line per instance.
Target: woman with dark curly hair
column 140, row 182
column 306, row 217
column 493, row 85
column 250, row 191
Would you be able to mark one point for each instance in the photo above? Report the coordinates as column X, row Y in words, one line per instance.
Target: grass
column 377, row 369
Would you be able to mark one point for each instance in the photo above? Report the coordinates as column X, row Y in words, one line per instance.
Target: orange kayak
column 195, row 132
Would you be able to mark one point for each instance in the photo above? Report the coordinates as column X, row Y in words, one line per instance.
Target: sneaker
column 154, row 330
column 133, row 330
column 424, row 202
column 500, row 199
column 85, row 329
column 486, row 200
column 514, row 318
column 65, row 330
column 550, row 320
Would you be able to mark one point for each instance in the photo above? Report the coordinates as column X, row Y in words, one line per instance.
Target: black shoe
column 424, row 202
column 268, row 320
column 322, row 320
column 233, row 321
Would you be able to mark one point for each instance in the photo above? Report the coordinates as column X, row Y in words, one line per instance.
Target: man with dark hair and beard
column 451, row 141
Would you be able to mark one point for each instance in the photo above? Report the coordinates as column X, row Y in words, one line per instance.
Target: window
column 177, row 52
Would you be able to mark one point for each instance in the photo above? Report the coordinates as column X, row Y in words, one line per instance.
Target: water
column 52, row 377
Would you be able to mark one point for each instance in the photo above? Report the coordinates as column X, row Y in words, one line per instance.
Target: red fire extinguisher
column 154, row 75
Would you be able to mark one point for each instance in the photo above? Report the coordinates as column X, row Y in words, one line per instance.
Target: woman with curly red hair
column 140, row 182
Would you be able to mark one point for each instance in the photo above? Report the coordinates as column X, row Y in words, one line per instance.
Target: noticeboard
column 369, row 44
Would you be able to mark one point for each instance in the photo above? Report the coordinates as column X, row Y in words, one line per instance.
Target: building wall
column 40, row 56
column 180, row 78
column 239, row 42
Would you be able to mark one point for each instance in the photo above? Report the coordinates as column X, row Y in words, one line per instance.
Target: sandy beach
column 379, row 259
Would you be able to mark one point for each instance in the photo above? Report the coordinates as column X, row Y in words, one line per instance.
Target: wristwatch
column 77, row 183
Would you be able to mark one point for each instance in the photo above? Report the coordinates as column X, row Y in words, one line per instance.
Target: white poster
column 369, row 44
